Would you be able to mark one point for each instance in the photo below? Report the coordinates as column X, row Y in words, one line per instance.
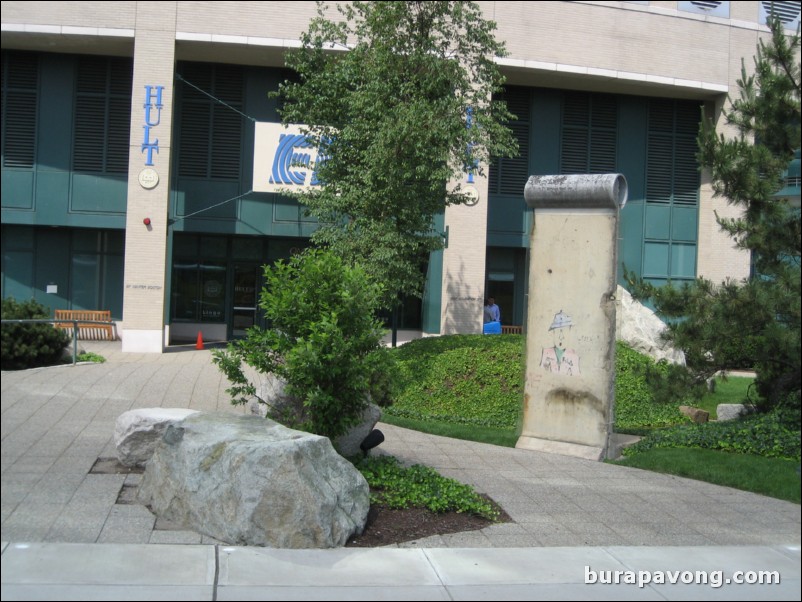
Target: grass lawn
column 773, row 477
column 471, row 387
column 469, row 432
column 733, row 389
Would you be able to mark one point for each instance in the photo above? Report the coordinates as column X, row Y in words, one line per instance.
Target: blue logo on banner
column 288, row 157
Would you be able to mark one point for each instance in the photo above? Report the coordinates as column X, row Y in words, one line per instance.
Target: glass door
column 246, row 287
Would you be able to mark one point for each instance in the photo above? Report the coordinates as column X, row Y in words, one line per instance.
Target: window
column 20, row 79
column 509, row 175
column 788, row 12
column 588, row 139
column 211, row 133
column 102, row 115
column 199, row 278
column 713, row 9
column 672, row 191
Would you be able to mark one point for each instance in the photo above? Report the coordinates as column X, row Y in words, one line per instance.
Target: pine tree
column 756, row 322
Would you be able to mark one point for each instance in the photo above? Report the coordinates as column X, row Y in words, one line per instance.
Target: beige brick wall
column 146, row 247
column 74, row 14
column 279, row 20
column 464, row 265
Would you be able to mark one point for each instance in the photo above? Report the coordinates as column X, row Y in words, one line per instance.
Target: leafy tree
column 407, row 109
column 754, row 323
column 323, row 340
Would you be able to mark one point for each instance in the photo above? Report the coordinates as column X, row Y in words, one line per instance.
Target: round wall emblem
column 148, row 178
column 473, row 195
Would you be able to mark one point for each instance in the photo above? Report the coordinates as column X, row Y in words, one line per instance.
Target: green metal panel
column 684, row 223
column 658, row 222
column 98, row 203
column 630, row 239
column 289, row 210
column 254, row 210
column 201, row 195
column 431, row 303
column 113, row 285
column 683, row 261
column 17, row 272
column 632, row 119
column 99, row 194
column 509, row 220
column 52, row 197
column 85, row 280
column 52, row 268
column 655, row 259
column 17, row 189
column 54, row 146
column 545, row 138
column 432, row 295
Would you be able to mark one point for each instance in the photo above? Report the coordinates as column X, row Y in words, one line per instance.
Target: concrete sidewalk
column 169, row 572
column 57, row 422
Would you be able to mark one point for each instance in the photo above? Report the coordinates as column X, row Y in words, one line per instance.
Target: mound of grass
column 461, row 379
column 635, row 407
column 477, row 380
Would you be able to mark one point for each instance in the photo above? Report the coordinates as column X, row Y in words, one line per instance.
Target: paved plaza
column 567, row 513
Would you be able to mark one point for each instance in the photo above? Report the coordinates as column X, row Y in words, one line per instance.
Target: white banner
column 283, row 160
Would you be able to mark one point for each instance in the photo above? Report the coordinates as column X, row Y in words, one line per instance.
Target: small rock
column 699, row 416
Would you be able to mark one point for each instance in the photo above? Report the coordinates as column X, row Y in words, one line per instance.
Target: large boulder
column 136, row 432
column 246, row 480
column 640, row 328
column 273, row 400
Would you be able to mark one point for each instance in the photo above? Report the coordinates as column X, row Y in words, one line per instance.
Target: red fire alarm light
column 146, row 221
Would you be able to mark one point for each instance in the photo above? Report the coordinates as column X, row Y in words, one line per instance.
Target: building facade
column 128, row 147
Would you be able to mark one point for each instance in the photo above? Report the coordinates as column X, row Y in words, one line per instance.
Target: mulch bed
column 386, row 526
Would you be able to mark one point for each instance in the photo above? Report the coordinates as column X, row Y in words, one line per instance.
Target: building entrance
column 246, row 296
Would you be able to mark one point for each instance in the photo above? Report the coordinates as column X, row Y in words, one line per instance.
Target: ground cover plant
column 414, row 502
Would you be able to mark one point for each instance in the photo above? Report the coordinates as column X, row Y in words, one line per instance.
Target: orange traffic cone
column 199, row 344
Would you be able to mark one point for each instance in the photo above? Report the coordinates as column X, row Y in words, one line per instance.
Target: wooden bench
column 88, row 332
column 511, row 329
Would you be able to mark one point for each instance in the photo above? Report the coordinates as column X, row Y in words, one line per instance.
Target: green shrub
column 397, row 487
column 635, row 406
column 774, row 435
column 89, row 356
column 324, row 341
column 29, row 345
column 468, row 379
